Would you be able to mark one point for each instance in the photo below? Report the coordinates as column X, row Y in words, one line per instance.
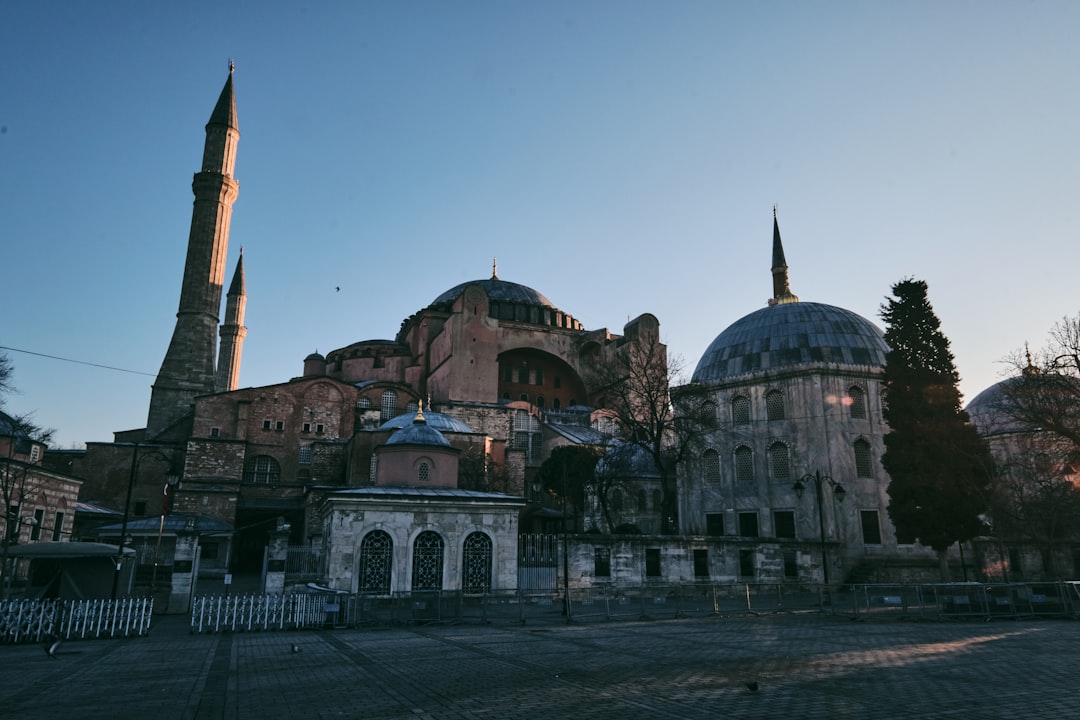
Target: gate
column 538, row 563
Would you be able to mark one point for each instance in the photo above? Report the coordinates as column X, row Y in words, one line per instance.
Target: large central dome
column 498, row 291
column 791, row 335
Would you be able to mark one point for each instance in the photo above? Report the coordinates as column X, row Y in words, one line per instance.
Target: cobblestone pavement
column 806, row 666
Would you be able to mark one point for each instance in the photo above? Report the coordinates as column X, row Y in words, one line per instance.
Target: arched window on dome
column 779, row 462
column 740, row 410
column 389, row 405
column 376, row 554
column 427, row 561
column 864, row 464
column 423, row 471
column 476, row 563
column 856, row 402
column 744, row 464
column 711, row 460
column 774, row 405
column 262, row 470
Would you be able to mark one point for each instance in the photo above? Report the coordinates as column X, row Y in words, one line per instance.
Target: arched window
column 774, row 405
column 373, row 466
column 527, row 434
column 744, row 464
column 657, row 500
column 540, row 401
column 779, row 464
column 740, row 410
column 363, row 403
column 711, row 460
column 864, row 466
column 857, row 402
column 707, row 414
column 376, row 553
column 427, row 561
column 616, row 500
column 389, row 405
column 556, row 403
column 641, row 503
column 476, row 563
column 262, row 469
column 423, row 471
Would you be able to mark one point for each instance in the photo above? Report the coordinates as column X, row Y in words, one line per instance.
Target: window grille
column 305, row 455
column 744, row 464
column 262, row 469
column 711, row 460
column 389, row 405
column 857, row 402
column 778, row 459
column 376, row 553
column 423, row 472
column 476, row 563
column 774, row 405
column 427, row 561
column 864, row 467
column 740, row 410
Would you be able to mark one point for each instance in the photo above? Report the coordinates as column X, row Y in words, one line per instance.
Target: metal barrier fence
column 307, row 610
column 949, row 601
column 24, row 621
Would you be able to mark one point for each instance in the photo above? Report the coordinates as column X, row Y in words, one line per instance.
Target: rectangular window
column 602, row 562
column 714, row 524
column 58, row 527
column 39, row 520
column 539, row 376
column 279, row 425
column 267, row 424
column 208, row 550
column 13, row 522
column 784, row 523
column 319, row 428
column 558, row 382
column 215, row 432
column 523, row 374
column 871, row 529
column 652, row 562
column 306, row 427
column 791, row 564
column 305, row 455
column 140, row 508
column 508, row 373
column 1015, row 570
column 35, row 453
column 746, row 563
column 701, row 563
column 748, row 524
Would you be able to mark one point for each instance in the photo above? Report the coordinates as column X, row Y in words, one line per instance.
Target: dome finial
column 494, row 269
column 232, row 66
column 420, row 412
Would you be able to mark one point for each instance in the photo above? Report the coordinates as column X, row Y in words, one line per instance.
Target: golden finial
column 420, row 412
column 494, row 269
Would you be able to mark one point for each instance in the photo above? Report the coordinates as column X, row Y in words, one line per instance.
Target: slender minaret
column 188, row 367
column 780, row 284
column 232, row 331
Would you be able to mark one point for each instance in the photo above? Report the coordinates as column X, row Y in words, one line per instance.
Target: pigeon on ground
column 751, row 685
column 296, row 648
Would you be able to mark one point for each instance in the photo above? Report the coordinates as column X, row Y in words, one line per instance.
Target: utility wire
column 78, row 362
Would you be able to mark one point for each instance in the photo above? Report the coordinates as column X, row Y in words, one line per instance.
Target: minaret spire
column 781, row 285
column 232, row 331
column 188, row 367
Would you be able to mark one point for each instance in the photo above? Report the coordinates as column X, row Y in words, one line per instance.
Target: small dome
column 498, row 291
column 418, row 433
column 438, row 421
column 314, row 356
column 627, row 460
column 791, row 335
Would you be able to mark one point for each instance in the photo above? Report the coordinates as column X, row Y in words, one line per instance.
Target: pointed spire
column 225, row 110
column 238, row 287
column 781, row 285
column 494, row 269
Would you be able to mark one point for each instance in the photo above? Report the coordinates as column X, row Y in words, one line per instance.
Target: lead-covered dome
column 500, row 291
column 440, row 421
column 791, row 335
column 418, row 433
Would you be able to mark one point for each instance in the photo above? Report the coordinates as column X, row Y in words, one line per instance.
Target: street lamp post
column 132, row 474
column 838, row 492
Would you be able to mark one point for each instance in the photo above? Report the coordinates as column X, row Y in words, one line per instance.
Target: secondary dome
column 789, row 335
column 439, row 421
column 418, row 433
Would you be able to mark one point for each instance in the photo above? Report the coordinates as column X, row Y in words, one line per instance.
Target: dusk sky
column 619, row 157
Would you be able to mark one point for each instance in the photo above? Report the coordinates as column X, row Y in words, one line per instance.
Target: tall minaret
column 232, row 331
column 781, row 286
column 188, row 367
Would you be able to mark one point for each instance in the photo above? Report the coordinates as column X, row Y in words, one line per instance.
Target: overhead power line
column 77, row 362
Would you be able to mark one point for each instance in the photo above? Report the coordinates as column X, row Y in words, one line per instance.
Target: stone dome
column 436, row 420
column 790, row 335
column 418, row 433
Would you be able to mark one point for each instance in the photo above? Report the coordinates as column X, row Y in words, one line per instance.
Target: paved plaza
column 805, row 666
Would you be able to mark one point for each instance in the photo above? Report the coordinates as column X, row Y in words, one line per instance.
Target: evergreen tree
column 939, row 466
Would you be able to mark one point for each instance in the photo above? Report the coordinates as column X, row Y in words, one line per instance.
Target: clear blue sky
column 620, row 157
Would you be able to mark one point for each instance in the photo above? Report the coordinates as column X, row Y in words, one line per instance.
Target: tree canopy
column 939, row 466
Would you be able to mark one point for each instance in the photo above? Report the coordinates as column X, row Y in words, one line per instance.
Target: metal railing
column 958, row 601
column 24, row 621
